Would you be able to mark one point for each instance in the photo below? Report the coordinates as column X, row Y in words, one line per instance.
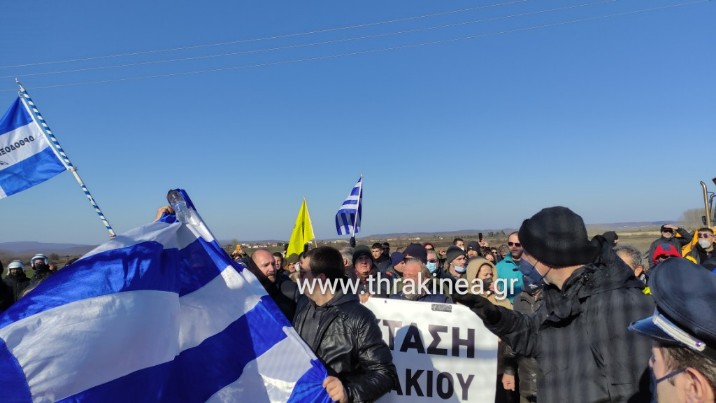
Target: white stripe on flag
column 273, row 374
column 58, row 366
column 201, row 314
column 154, row 232
column 153, row 330
column 29, row 147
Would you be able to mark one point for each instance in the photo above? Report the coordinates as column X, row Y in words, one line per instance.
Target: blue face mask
column 432, row 267
column 531, row 277
column 460, row 269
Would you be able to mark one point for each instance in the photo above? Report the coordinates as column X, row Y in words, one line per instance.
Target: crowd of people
column 578, row 319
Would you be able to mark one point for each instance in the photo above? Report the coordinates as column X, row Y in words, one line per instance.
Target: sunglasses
column 432, row 261
column 669, row 230
column 517, row 244
column 705, row 235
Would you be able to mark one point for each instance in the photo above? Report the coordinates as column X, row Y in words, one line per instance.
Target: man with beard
column 508, row 267
column 282, row 290
column 415, row 273
column 16, row 279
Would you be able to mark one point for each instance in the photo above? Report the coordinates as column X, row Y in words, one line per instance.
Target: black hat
column 417, row 251
column 556, row 236
column 473, row 245
column 361, row 250
column 685, row 314
column 452, row 253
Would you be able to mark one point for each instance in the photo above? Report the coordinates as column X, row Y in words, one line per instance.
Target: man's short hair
column 705, row 229
column 683, row 357
column 328, row 261
column 347, row 253
column 377, row 245
column 454, row 241
column 513, row 233
column 631, row 252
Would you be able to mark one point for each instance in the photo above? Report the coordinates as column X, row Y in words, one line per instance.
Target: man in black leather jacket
column 343, row 333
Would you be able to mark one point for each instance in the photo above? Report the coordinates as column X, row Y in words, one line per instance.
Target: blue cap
column 396, row 257
column 685, row 314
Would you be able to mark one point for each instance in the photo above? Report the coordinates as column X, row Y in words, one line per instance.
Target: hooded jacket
column 345, row 336
column 579, row 337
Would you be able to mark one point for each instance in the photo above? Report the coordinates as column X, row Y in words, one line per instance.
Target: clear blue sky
column 476, row 115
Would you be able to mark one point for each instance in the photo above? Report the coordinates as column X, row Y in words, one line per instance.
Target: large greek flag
column 26, row 156
column 348, row 216
column 160, row 313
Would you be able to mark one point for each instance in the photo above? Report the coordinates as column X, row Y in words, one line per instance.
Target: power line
column 305, row 45
column 266, row 38
column 380, row 50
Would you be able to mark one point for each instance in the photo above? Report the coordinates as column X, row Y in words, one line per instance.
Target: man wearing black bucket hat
column 579, row 335
column 683, row 331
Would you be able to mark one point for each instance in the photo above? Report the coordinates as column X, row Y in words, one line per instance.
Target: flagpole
column 315, row 244
column 61, row 153
column 355, row 220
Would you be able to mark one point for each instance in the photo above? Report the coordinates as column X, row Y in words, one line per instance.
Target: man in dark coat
column 343, row 333
column 280, row 288
column 16, row 279
column 668, row 235
column 579, row 335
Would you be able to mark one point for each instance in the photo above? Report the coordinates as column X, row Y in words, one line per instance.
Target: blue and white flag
column 160, row 313
column 348, row 216
column 26, row 156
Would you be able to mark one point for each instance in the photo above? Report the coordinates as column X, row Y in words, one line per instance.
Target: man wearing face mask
column 579, row 334
column 455, row 262
column 41, row 269
column 704, row 249
column 668, row 235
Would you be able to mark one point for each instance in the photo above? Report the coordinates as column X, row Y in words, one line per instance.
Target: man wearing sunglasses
column 508, row 267
column 668, row 235
column 683, row 332
column 704, row 249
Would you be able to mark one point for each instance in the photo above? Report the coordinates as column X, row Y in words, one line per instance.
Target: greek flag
column 160, row 313
column 348, row 216
column 26, row 156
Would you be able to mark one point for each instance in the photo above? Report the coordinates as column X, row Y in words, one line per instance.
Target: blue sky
column 475, row 115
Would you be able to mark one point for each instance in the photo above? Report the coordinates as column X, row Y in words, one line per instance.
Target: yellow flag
column 302, row 231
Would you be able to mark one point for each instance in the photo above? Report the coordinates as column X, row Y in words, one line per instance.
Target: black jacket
column 17, row 284
column 525, row 367
column 580, row 339
column 346, row 337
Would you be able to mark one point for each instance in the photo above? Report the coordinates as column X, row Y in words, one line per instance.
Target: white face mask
column 705, row 243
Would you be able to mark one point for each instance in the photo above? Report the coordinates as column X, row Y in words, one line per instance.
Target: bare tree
column 691, row 218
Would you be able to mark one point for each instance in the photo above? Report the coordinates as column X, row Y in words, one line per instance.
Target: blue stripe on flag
column 114, row 327
column 16, row 116
column 216, row 372
column 304, row 391
column 143, row 266
column 12, row 380
column 30, row 172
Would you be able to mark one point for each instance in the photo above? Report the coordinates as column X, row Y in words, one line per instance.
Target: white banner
column 441, row 351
